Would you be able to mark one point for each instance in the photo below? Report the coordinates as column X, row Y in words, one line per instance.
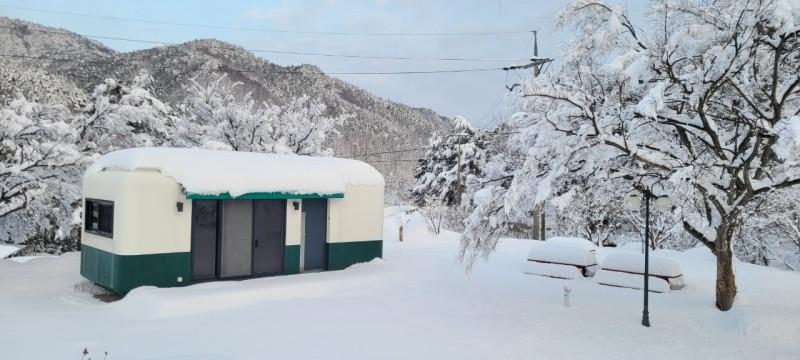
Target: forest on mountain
column 67, row 99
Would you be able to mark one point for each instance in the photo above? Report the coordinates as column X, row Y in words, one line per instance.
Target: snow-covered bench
column 626, row 270
column 560, row 257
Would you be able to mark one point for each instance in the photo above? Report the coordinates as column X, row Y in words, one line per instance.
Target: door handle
column 256, row 243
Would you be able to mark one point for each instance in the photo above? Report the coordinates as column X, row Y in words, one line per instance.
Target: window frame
column 86, row 223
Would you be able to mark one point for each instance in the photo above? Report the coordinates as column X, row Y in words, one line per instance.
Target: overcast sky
column 473, row 94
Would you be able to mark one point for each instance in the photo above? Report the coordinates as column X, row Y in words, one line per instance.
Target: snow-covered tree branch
column 707, row 101
column 125, row 115
column 37, row 141
column 219, row 117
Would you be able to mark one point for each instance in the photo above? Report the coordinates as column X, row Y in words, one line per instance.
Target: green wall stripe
column 123, row 273
column 291, row 259
column 263, row 195
column 342, row 255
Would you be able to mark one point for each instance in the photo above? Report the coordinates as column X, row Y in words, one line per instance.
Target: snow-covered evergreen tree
column 706, row 101
column 449, row 163
column 125, row 115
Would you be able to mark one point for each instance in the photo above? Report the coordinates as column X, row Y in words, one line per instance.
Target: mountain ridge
column 376, row 124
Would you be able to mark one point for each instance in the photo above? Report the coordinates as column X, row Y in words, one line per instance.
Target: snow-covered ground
column 416, row 303
column 7, row 250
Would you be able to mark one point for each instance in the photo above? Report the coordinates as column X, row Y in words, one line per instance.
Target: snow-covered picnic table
column 562, row 257
column 626, row 269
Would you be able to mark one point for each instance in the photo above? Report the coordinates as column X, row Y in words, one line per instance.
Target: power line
column 491, row 109
column 271, row 30
column 397, row 151
column 386, row 152
column 285, row 52
column 393, row 160
column 413, row 72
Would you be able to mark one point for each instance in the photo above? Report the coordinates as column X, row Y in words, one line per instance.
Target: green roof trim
column 263, row 195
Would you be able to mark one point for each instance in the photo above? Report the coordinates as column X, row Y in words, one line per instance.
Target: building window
column 99, row 217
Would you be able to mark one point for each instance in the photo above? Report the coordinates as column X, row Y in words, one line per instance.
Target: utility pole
column 458, row 167
column 645, row 311
column 535, row 64
column 537, row 67
column 538, row 212
column 459, row 189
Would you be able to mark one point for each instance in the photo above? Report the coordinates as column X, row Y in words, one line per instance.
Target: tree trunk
column 726, row 279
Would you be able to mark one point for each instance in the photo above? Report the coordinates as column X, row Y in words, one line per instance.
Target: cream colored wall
column 146, row 219
column 293, row 218
column 358, row 216
column 103, row 186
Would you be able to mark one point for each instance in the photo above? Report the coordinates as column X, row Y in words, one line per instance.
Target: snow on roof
column 214, row 172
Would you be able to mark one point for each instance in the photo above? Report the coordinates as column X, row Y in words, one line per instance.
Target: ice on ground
column 239, row 172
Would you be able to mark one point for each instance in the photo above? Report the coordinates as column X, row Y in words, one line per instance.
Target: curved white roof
column 214, row 172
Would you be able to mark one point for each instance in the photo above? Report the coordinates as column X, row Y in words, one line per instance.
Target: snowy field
column 416, row 303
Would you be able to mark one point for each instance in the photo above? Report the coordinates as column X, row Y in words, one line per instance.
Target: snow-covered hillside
column 416, row 303
column 375, row 125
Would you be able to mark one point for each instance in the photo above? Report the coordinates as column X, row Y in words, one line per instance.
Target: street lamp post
column 634, row 203
column 645, row 313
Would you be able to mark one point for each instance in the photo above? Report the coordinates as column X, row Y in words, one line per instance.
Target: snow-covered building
column 171, row 217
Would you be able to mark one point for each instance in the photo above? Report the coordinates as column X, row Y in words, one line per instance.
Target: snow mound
column 552, row 270
column 7, row 250
column 215, row 172
column 632, row 281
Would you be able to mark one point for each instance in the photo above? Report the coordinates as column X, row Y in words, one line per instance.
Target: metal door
column 316, row 233
column 236, row 250
column 269, row 223
column 204, row 239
